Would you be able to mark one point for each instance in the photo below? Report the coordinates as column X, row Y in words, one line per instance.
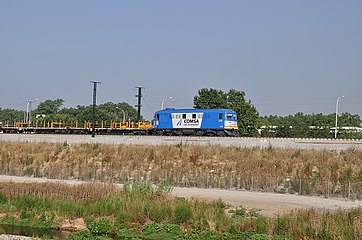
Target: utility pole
column 94, row 108
column 139, row 96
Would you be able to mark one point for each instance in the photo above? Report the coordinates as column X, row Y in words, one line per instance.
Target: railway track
column 298, row 143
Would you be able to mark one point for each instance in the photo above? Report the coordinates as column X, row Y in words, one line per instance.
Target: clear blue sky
column 288, row 56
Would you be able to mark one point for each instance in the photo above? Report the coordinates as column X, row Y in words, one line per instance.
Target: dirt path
column 270, row 204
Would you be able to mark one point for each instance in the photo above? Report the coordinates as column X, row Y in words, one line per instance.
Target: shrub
column 281, row 225
column 125, row 233
column 163, row 187
column 259, row 237
column 44, row 221
column 100, row 227
column 81, row 235
column 87, row 235
column 158, row 212
column 161, row 231
column 23, row 214
column 3, row 198
column 278, row 237
column 8, row 220
column 122, row 217
column 201, row 235
column 183, row 213
column 261, row 224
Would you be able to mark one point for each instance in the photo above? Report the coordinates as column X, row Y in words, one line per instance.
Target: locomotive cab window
column 229, row 116
column 158, row 117
column 220, row 115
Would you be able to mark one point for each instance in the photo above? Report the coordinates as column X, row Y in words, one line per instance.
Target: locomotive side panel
column 196, row 122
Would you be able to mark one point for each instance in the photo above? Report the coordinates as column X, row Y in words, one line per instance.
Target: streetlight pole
column 28, row 109
column 124, row 115
column 335, row 130
column 163, row 101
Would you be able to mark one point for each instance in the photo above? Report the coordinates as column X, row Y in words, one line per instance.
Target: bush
column 259, row 236
column 126, row 233
column 3, row 198
column 245, row 235
column 100, row 227
column 278, row 237
column 161, row 231
column 81, row 235
column 183, row 213
column 8, row 220
column 87, row 235
column 45, row 221
column 281, row 225
column 123, row 217
column 202, row 235
column 158, row 212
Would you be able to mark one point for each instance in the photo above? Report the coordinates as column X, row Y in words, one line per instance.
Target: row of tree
column 299, row 119
column 310, row 125
column 249, row 121
column 52, row 111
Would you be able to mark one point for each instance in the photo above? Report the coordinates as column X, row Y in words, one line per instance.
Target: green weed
column 100, row 227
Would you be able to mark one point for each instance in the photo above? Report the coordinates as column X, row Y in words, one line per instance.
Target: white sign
column 186, row 120
column 231, row 124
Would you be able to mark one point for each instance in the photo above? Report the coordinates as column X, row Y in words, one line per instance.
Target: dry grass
column 89, row 191
column 314, row 224
column 182, row 165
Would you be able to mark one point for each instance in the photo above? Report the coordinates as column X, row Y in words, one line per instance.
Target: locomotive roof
column 189, row 110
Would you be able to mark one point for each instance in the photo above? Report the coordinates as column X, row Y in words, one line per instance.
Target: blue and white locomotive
column 199, row 122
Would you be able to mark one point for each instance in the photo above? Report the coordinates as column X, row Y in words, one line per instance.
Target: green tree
column 50, row 111
column 248, row 116
column 210, row 98
column 118, row 111
column 235, row 100
column 49, row 106
column 350, row 120
column 9, row 116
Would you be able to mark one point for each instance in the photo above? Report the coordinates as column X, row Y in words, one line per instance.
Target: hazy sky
column 288, row 56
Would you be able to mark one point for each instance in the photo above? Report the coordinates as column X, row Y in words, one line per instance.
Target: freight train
column 169, row 121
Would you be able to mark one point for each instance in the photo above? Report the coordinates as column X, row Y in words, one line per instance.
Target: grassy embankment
column 307, row 172
column 141, row 211
column 147, row 212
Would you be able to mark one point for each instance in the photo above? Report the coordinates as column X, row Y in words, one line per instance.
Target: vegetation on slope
column 307, row 172
column 144, row 211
